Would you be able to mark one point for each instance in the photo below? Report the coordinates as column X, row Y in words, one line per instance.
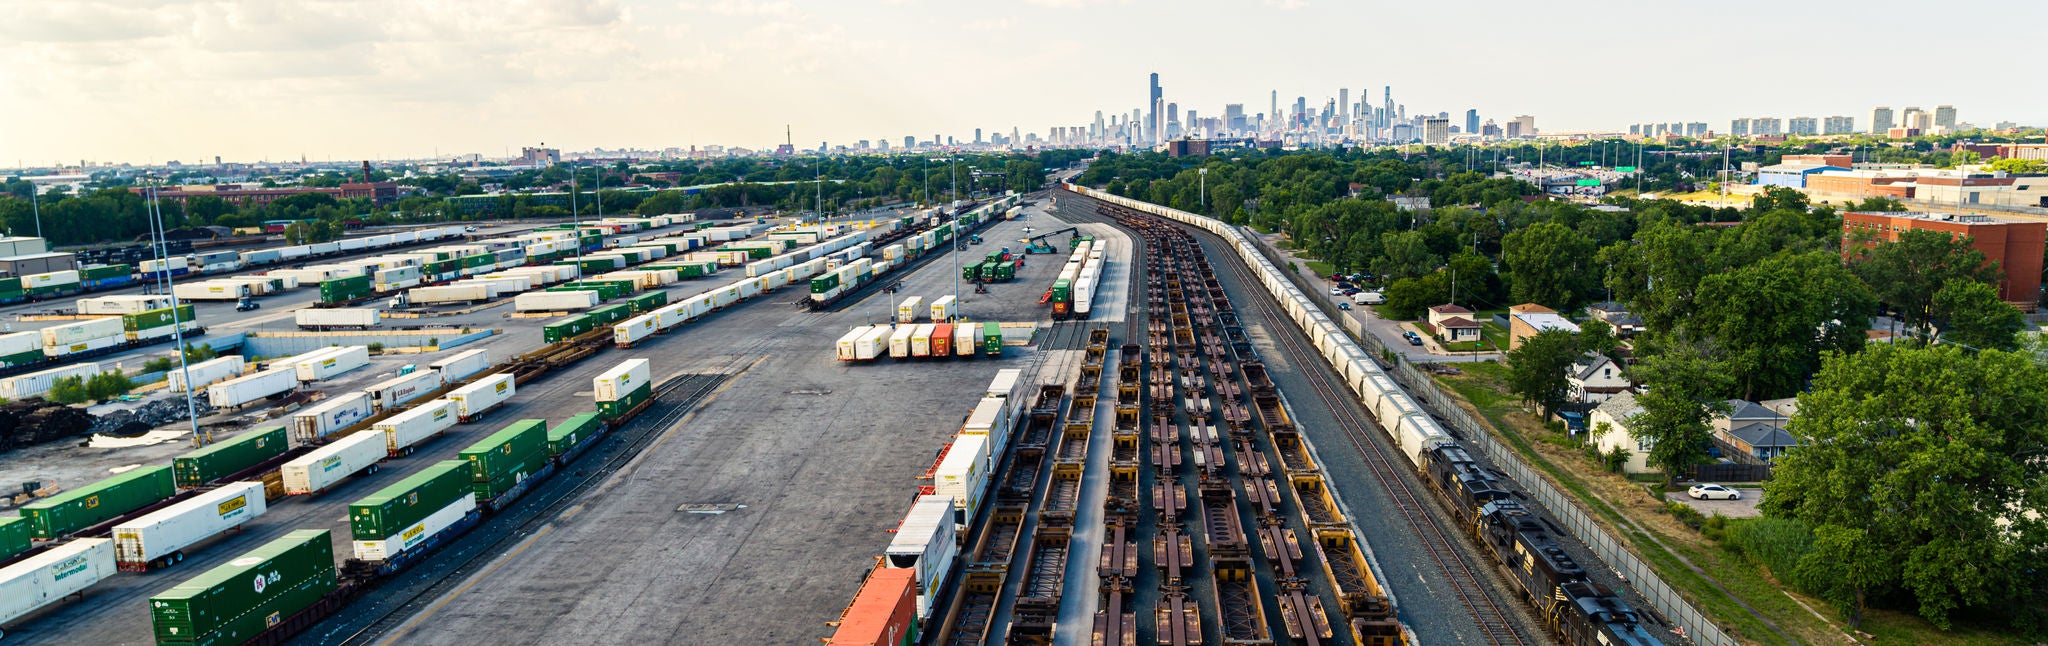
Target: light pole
column 35, row 201
column 1203, row 173
column 177, row 326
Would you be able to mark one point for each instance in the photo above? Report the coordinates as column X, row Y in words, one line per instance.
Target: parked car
column 1335, row 291
column 1368, row 298
column 1708, row 491
column 1412, row 337
column 1343, row 306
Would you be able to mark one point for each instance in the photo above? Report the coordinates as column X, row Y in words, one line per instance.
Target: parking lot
column 1745, row 507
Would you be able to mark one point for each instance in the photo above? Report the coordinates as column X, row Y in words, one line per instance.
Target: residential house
column 1615, row 413
column 1752, row 433
column 1617, row 316
column 1458, row 328
column 1595, row 378
column 1439, row 313
column 1527, row 319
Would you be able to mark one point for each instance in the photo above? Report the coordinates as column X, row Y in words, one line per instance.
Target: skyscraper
column 1880, row 120
column 1387, row 98
column 1472, row 122
column 1945, row 118
column 1343, row 106
column 1276, row 106
column 1152, row 103
column 1802, row 126
column 1172, row 120
column 1436, row 131
column 977, row 135
column 1233, row 117
column 1838, row 125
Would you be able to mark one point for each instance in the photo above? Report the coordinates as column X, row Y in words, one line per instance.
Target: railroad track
column 1487, row 613
column 694, row 388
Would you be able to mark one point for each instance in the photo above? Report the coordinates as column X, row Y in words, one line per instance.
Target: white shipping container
column 123, row 304
column 555, row 301
column 249, row 388
column 58, row 351
column 403, row 388
column 908, row 309
column 336, row 317
column 206, row 372
column 621, row 380
column 316, row 471
column 21, row 343
column 872, row 344
column 211, row 290
column 36, row 383
column 921, row 340
column 966, row 339
column 404, row 430
column 942, row 309
column 925, row 541
column 462, row 365
column 159, row 538
column 1005, row 383
column 397, row 278
column 333, row 363
column 69, row 333
column 847, row 345
column 52, row 279
column 472, row 401
column 992, row 419
column 313, row 424
column 962, row 474
column 899, row 341
column 450, row 293
column 410, row 537
column 45, row 578
column 631, row 331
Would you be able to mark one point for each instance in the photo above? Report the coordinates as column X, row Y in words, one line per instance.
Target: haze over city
column 152, row 81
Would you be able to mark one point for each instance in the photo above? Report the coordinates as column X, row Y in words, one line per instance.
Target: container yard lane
column 752, row 520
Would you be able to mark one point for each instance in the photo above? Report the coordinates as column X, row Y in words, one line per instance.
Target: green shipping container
column 14, row 536
column 234, row 603
column 616, row 409
column 61, row 288
column 1006, row 270
column 77, row 509
column 12, row 295
column 504, row 451
column 154, row 319
column 342, row 290
column 10, row 284
column 696, row 269
column 228, row 457
column 109, row 271
column 388, row 512
column 566, row 329
column 648, row 302
column 610, row 314
column 22, row 359
column 605, row 292
column 479, row 260
column 992, row 339
column 824, row 283
column 970, row 272
column 571, row 432
column 440, row 267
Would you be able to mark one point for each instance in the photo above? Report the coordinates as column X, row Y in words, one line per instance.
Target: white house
column 1594, row 378
column 1615, row 413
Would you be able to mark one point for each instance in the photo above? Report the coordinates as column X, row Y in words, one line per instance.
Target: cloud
column 989, row 24
column 1289, row 5
column 773, row 8
column 82, row 22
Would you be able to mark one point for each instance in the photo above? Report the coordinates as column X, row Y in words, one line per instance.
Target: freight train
column 1583, row 613
column 1073, row 292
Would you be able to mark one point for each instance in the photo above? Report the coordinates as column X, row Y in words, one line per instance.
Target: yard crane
column 1036, row 244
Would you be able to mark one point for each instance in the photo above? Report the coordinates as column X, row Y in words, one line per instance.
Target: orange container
column 883, row 613
column 942, row 340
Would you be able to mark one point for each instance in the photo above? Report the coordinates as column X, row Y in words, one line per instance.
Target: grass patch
column 1321, row 268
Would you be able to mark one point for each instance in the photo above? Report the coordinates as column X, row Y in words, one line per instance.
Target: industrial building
column 2016, row 246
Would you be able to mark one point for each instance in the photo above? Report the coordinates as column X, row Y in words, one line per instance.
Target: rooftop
column 1763, row 435
column 1930, row 216
column 1547, row 321
column 1450, row 309
column 1459, row 322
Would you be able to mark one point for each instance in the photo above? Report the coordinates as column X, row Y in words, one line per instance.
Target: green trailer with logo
column 384, row 514
column 610, row 314
column 343, row 290
column 507, row 458
column 248, row 596
column 571, row 433
column 153, row 319
column 60, row 515
column 992, row 339
column 825, row 283
column 11, row 290
column 15, row 536
column 568, row 328
column 615, row 409
column 228, row 457
column 647, row 302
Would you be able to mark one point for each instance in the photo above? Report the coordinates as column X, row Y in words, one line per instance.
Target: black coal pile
column 130, row 423
column 32, row 422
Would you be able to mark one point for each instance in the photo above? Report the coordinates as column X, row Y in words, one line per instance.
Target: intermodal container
column 236, row 602
column 942, row 340
column 405, row 503
column 962, row 473
column 610, row 314
column 228, row 457
column 333, row 364
column 899, row 341
column 943, row 308
column 342, row 290
column 157, row 318
column 630, row 332
column 571, row 432
column 344, row 410
column 883, row 612
column 648, row 302
column 555, row 301
column 628, row 376
column 908, row 309
column 53, row 575
column 568, row 328
column 615, row 409
column 921, row 339
column 160, row 538
column 82, row 331
column 14, row 536
column 462, row 365
column 925, row 544
column 403, row 388
column 64, row 513
column 503, row 460
column 406, row 430
column 314, row 472
column 848, row 343
column 992, row 339
column 39, row 382
column 475, row 399
column 421, row 533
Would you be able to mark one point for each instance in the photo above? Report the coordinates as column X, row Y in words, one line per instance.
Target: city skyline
column 326, row 81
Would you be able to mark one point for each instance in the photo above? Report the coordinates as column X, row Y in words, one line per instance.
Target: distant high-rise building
column 1233, row 117
column 977, row 136
column 1838, row 125
column 1172, row 120
column 1436, row 131
column 1696, row 129
column 1881, row 120
column 884, row 144
column 1635, row 129
column 1802, row 126
column 1387, row 99
column 1739, row 127
column 1912, row 116
column 1472, row 121
column 1522, row 126
column 1300, row 117
column 1766, row 126
column 1490, row 129
column 1945, row 118
column 909, row 142
column 1275, row 111
column 1152, row 103
column 1343, row 106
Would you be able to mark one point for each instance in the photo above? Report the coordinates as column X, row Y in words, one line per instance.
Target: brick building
column 379, row 193
column 2016, row 246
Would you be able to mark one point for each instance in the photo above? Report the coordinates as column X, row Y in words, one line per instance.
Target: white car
column 1713, row 492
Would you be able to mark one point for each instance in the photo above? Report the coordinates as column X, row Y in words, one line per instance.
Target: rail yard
column 1073, row 419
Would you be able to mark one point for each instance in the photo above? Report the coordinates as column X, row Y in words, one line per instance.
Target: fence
column 1732, row 472
column 1633, row 571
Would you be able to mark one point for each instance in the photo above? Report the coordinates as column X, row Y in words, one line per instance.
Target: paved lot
column 1743, row 508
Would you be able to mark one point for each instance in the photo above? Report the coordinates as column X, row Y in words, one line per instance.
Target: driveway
column 1743, row 508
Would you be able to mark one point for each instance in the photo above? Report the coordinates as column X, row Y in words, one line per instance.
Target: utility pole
column 35, row 201
column 177, row 325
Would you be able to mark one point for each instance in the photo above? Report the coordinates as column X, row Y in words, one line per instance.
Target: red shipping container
column 883, row 612
column 942, row 340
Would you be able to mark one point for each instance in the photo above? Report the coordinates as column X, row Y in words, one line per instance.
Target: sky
column 146, row 81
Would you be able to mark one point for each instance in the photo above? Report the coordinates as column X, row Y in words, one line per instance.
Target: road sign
column 1589, row 182
column 1624, row 169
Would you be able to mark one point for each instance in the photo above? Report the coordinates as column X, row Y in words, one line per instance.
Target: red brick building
column 2016, row 246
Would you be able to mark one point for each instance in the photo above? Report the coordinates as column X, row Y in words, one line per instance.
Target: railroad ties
column 988, row 563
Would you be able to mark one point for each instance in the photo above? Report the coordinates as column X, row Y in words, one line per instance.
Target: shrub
column 198, row 353
column 1685, row 514
column 69, row 390
column 108, row 385
column 1617, row 458
column 159, row 364
column 376, row 348
column 1775, row 543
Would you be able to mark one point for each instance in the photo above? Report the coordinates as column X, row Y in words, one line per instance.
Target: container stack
column 501, row 462
column 67, row 339
column 222, row 607
column 622, row 388
column 412, row 512
column 228, row 457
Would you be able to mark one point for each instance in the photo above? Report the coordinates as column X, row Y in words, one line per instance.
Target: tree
column 1921, row 473
column 1906, row 273
column 1684, row 387
column 1408, row 297
column 1773, row 319
column 2018, row 166
column 1406, row 255
column 1550, row 264
column 1969, row 313
column 1659, row 273
column 1596, row 336
column 1537, row 369
column 68, row 390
